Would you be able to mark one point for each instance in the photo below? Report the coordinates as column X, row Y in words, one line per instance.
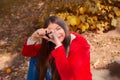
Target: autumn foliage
column 82, row 15
column 23, row 18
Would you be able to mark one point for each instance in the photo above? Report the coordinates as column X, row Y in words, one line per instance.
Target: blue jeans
column 33, row 72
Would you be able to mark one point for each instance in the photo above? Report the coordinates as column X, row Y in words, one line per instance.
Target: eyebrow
column 58, row 26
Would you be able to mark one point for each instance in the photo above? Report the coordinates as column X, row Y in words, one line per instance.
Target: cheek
column 63, row 36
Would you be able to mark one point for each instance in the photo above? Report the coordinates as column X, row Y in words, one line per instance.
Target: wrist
column 32, row 38
column 30, row 42
column 58, row 43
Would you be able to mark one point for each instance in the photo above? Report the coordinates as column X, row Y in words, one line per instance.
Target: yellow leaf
column 109, row 7
column 62, row 15
column 114, row 22
column 82, row 18
column 90, row 20
column 93, row 27
column 102, row 24
column 117, row 11
column 99, row 6
column 111, row 16
column 92, row 10
column 82, row 10
column 95, row 18
column 79, row 26
column 83, row 27
column 106, row 23
column 87, row 25
column 73, row 20
column 103, row 11
column 100, row 27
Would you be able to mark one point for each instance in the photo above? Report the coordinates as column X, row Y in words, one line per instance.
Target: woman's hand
column 38, row 34
column 46, row 34
column 54, row 38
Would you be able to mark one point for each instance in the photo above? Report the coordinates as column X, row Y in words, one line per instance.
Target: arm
column 77, row 65
column 30, row 50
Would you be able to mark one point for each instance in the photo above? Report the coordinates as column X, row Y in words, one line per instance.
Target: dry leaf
column 117, row 11
column 8, row 70
column 96, row 63
column 82, row 18
column 73, row 20
column 114, row 22
column 82, row 10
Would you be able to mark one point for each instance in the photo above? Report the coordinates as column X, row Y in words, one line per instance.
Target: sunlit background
column 97, row 20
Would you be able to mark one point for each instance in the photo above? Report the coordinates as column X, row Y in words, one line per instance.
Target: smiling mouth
column 59, row 37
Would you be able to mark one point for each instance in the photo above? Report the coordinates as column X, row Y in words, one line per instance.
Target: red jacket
column 76, row 66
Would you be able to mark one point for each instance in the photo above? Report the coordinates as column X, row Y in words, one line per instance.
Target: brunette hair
column 47, row 47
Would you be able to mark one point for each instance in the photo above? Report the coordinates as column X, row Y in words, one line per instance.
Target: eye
column 58, row 28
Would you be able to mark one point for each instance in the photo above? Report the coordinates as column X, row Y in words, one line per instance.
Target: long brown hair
column 47, row 47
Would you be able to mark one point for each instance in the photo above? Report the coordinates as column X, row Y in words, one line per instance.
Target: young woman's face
column 58, row 30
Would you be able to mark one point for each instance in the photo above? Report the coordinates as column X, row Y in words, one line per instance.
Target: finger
column 54, row 35
column 45, row 38
column 38, row 34
column 41, row 32
column 51, row 40
column 47, row 31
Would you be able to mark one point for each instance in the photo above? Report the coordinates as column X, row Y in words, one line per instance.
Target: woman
column 64, row 55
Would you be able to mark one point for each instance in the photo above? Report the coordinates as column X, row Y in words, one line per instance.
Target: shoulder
column 80, row 40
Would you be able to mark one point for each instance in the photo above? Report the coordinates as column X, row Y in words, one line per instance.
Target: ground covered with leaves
column 18, row 21
column 105, row 49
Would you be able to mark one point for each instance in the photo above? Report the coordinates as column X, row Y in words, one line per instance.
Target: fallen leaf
column 8, row 70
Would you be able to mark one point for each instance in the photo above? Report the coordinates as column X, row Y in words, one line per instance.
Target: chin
column 61, row 40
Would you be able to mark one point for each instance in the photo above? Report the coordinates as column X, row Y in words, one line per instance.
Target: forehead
column 52, row 26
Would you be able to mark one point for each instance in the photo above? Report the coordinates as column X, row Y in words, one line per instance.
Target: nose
column 57, row 32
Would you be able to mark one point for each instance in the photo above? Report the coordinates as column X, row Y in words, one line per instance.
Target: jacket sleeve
column 77, row 66
column 30, row 50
